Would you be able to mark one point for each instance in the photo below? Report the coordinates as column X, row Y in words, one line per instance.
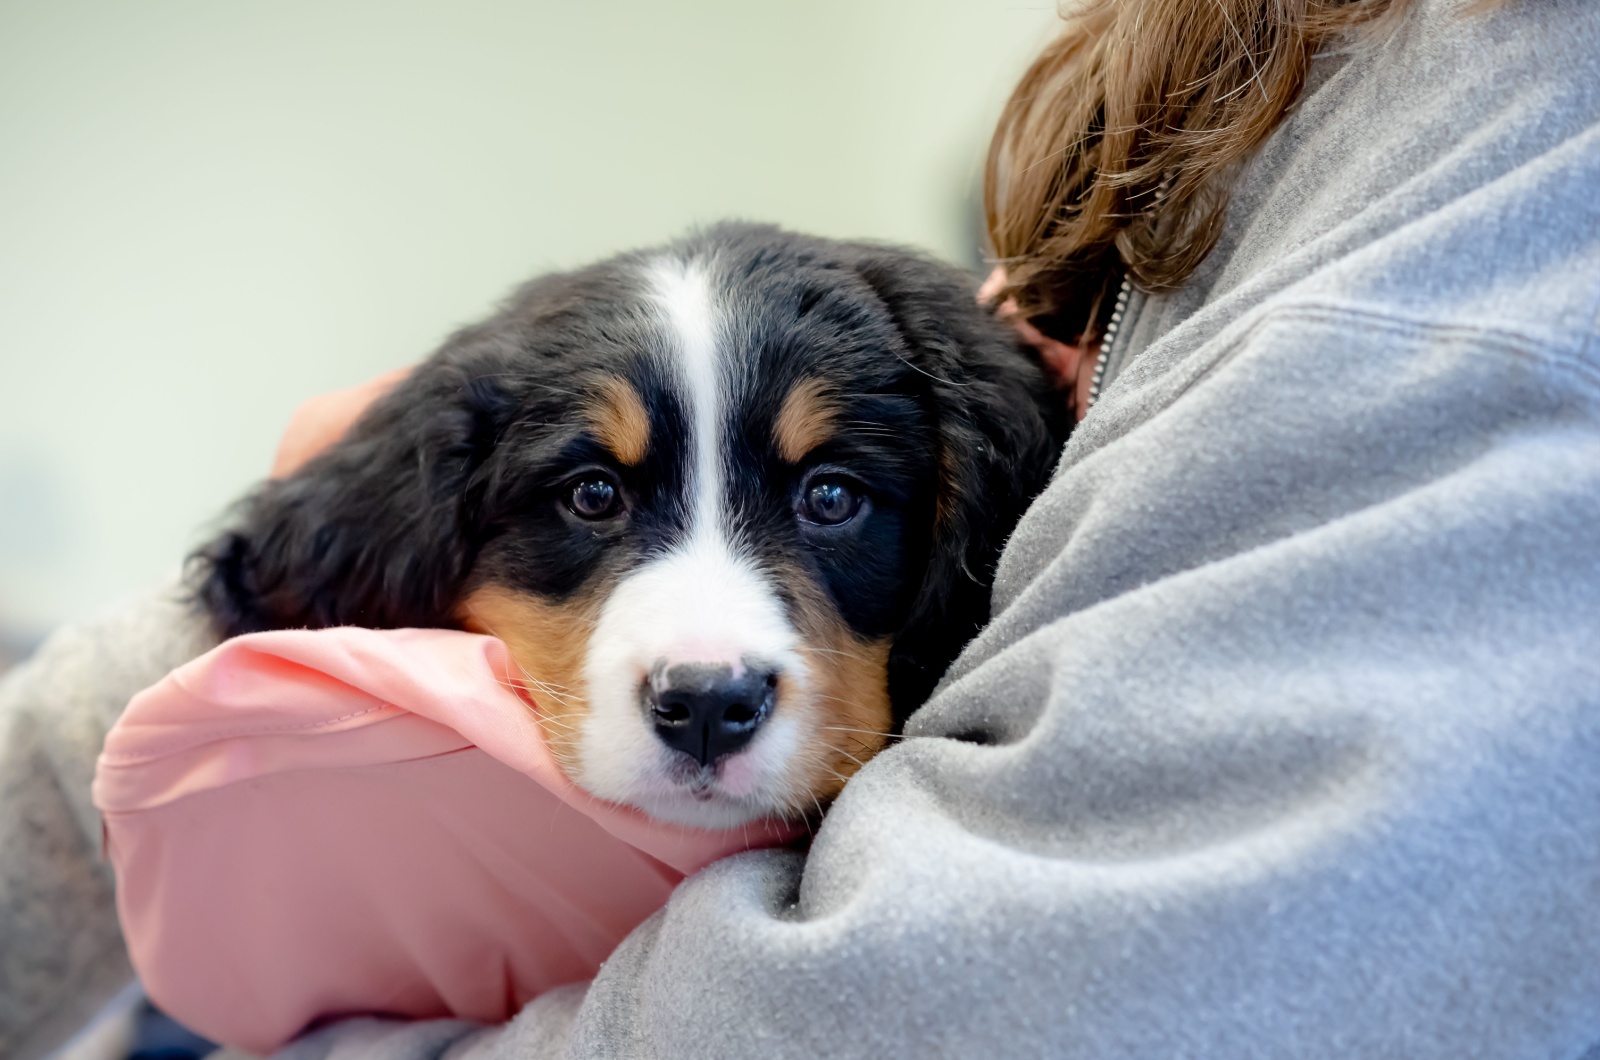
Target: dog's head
column 733, row 505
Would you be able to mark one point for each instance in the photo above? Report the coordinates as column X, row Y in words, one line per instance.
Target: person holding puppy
column 1282, row 740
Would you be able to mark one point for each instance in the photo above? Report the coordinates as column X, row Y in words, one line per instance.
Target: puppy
column 732, row 504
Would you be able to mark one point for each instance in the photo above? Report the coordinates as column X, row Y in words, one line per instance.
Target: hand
column 1068, row 366
column 324, row 419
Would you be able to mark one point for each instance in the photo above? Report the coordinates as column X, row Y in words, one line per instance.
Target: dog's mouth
column 731, row 778
column 700, row 782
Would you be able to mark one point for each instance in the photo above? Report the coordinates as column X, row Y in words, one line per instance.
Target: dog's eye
column 829, row 502
column 594, row 498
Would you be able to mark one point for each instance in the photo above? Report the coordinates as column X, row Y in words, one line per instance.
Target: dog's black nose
column 706, row 712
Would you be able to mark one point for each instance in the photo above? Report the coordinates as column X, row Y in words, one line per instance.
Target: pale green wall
column 212, row 209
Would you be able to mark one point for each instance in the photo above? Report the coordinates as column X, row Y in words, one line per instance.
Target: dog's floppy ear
column 1000, row 430
column 377, row 531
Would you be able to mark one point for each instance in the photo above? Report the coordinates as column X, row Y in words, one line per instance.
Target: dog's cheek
column 853, row 715
column 549, row 642
column 845, row 704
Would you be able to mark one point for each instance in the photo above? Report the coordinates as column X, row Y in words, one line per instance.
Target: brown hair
column 1115, row 152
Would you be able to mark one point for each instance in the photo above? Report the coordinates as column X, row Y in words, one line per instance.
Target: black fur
column 455, row 478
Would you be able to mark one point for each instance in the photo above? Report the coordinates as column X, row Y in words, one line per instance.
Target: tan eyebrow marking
column 805, row 421
column 620, row 421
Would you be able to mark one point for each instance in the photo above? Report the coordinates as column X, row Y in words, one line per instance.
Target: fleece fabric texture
column 61, row 953
column 1285, row 738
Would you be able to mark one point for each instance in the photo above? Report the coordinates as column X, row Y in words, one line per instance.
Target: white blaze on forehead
column 712, row 603
column 682, row 290
column 702, row 601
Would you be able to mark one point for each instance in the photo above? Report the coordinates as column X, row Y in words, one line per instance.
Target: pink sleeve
column 308, row 823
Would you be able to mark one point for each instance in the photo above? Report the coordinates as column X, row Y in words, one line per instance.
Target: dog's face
column 727, row 504
column 709, row 532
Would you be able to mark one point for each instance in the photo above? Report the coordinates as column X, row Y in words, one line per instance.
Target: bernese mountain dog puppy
column 733, row 505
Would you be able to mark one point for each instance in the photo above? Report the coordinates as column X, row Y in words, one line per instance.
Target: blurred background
column 212, row 210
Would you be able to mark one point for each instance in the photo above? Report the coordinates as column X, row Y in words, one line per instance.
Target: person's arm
column 61, row 953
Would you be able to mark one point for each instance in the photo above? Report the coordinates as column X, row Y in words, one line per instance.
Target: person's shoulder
column 1442, row 175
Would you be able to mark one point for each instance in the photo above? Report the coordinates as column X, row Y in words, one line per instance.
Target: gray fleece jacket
column 1285, row 738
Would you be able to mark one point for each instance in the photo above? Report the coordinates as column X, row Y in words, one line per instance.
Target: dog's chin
column 727, row 794
column 704, row 806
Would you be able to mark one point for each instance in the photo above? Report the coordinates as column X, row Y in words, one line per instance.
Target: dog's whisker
column 552, row 690
column 868, row 732
column 923, row 371
column 559, row 722
column 835, row 747
column 857, row 735
column 555, row 721
column 539, row 693
column 829, row 697
column 821, row 813
column 560, row 693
